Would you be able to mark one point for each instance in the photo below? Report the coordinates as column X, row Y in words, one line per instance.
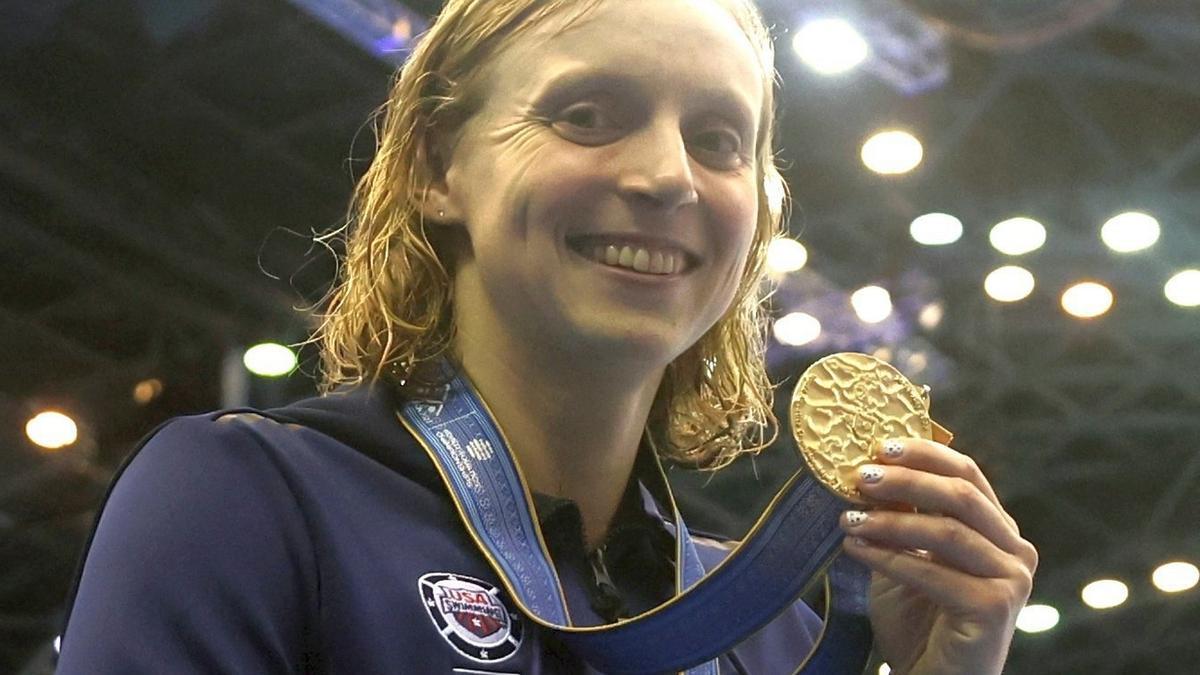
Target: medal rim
column 799, row 404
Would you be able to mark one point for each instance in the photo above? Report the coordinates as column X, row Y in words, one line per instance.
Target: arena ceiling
column 163, row 165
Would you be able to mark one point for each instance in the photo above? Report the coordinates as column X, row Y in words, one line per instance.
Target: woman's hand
column 949, row 579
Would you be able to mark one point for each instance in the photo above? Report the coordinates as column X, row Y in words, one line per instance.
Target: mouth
column 637, row 254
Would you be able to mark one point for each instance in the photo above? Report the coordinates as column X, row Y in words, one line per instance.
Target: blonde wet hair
column 391, row 308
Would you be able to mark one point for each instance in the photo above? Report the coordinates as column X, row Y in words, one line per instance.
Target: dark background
column 163, row 165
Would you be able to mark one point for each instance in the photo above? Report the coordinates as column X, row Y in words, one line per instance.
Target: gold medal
column 844, row 406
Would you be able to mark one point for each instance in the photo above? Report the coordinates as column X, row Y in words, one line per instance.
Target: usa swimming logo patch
column 470, row 614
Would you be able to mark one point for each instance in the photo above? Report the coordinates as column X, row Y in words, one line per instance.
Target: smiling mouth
column 647, row 259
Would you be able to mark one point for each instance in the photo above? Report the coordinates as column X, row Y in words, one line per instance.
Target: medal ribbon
column 796, row 539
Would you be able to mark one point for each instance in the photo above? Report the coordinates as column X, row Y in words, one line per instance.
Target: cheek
column 736, row 214
column 504, row 176
column 563, row 188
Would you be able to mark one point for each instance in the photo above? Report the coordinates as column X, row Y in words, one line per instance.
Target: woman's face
column 607, row 185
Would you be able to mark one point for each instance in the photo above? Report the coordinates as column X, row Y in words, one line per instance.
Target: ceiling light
column 1037, row 618
column 1130, row 231
column 1017, row 236
column 1009, row 283
column 936, row 229
column 1087, row 300
column 872, row 304
column 51, row 430
column 830, row 46
column 147, row 390
column 786, row 255
column 1174, row 577
column 1104, row 594
column 931, row 315
column 797, row 329
column 1183, row 289
column 892, row 152
column 269, row 360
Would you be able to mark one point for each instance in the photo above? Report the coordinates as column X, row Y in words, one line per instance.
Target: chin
column 647, row 343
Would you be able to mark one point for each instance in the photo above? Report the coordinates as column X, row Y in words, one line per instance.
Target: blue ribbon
column 796, row 539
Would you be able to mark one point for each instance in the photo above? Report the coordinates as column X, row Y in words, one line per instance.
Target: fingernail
column 858, row 541
column 893, row 448
column 855, row 518
column 871, row 473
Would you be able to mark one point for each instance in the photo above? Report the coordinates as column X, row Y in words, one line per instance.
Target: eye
column 587, row 123
column 584, row 116
column 719, row 146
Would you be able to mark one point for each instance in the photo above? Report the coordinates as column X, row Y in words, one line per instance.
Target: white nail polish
column 871, row 473
column 893, row 448
column 855, row 518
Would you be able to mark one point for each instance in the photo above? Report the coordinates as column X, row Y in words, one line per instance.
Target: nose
column 657, row 170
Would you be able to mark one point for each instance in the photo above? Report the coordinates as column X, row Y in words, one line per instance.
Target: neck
column 574, row 425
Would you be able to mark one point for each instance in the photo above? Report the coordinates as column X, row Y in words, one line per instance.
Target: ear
column 437, row 203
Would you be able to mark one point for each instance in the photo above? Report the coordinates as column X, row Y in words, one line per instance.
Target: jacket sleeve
column 200, row 562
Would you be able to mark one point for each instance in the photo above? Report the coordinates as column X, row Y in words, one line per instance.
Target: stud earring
column 441, row 213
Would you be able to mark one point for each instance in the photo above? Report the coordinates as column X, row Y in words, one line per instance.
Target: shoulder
column 199, row 529
column 203, row 472
column 221, row 451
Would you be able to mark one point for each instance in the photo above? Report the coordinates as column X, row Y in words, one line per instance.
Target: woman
column 567, row 207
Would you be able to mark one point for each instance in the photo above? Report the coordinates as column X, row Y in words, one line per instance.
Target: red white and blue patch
column 472, row 616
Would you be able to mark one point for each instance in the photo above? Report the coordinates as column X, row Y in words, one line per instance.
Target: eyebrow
column 581, row 79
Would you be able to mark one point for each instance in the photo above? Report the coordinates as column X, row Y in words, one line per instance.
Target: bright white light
column 51, row 430
column 786, row 255
column 269, row 360
column 1183, row 289
column 1104, row 593
column 1009, row 283
column 830, row 46
column 931, row 315
column 936, row 229
column 797, row 329
column 885, row 669
column 1037, row 618
column 1130, row 231
column 1087, row 300
column 775, row 191
column 872, row 304
column 892, row 152
column 1174, row 577
column 1017, row 236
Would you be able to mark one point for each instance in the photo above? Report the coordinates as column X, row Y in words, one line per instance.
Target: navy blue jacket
column 317, row 538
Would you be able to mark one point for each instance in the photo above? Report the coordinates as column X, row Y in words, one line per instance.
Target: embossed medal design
column 844, row 405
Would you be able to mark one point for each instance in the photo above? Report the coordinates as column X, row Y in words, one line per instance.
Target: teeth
column 639, row 259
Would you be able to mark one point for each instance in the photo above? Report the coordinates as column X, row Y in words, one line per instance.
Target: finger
column 934, row 457
column 945, row 495
column 953, row 543
column 943, row 585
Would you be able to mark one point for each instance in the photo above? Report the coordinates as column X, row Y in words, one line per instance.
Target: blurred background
column 1002, row 199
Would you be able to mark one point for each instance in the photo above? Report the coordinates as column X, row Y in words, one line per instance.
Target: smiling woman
column 550, row 106
column 552, row 282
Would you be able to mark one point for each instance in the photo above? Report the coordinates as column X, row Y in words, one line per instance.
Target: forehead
column 668, row 44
